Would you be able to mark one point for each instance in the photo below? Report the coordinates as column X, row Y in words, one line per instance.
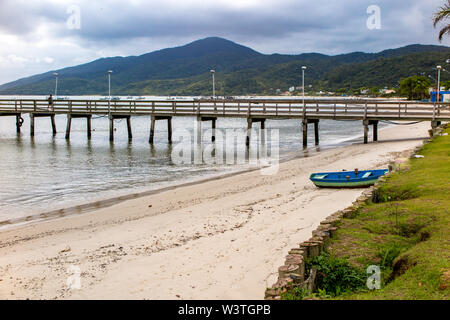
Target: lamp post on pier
column 439, row 83
column 213, row 82
column 109, row 92
column 303, row 84
column 109, row 83
column 56, row 85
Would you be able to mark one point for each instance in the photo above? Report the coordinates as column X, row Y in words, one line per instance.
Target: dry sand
column 221, row 239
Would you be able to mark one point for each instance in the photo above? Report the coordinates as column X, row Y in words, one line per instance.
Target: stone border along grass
column 292, row 273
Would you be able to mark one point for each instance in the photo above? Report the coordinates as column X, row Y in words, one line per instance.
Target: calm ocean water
column 48, row 172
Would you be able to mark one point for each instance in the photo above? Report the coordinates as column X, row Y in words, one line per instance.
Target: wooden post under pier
column 41, row 115
column 31, row 124
column 249, row 127
column 200, row 119
column 366, row 130
column 19, row 119
column 130, row 134
column 69, row 126
column 111, row 125
column 199, row 130
column 305, row 131
column 316, row 132
column 152, row 127
column 52, row 119
column 89, row 127
column 19, row 122
column 374, row 124
column 88, row 124
column 435, row 124
column 213, row 126
column 169, row 130
column 366, row 124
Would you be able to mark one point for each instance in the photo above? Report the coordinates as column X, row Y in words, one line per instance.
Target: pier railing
column 310, row 111
column 263, row 108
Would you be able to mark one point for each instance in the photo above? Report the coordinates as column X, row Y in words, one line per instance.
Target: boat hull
column 347, row 179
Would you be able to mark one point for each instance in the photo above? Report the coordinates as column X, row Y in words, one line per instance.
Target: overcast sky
column 41, row 35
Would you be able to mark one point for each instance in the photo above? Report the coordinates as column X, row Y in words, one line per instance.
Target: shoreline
column 87, row 207
column 219, row 239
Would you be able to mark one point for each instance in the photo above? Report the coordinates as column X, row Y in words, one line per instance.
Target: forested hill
column 240, row 70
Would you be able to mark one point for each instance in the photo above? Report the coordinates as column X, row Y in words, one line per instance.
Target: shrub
column 335, row 275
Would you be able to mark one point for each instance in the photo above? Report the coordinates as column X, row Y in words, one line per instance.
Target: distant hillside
column 184, row 70
column 386, row 71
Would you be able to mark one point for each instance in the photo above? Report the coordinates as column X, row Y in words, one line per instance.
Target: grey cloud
column 113, row 27
column 116, row 21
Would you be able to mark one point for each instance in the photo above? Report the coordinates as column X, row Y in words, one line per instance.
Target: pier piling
column 19, row 119
column 41, row 115
column 88, row 123
column 305, row 131
column 366, row 124
column 199, row 130
column 152, row 127
column 130, row 134
column 366, row 130
column 199, row 127
column 19, row 122
column 89, row 127
column 111, row 125
column 316, row 132
column 69, row 125
column 249, row 128
column 435, row 124
column 374, row 124
column 111, row 128
column 32, row 125
column 52, row 119
column 169, row 130
column 213, row 125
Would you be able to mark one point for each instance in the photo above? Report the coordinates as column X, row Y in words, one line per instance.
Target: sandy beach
column 221, row 239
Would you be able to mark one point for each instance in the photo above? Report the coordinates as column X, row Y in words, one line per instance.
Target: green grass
column 406, row 234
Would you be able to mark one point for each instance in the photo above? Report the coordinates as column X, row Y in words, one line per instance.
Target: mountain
column 387, row 71
column 184, row 70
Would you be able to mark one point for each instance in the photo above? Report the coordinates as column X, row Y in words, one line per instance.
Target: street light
column 56, row 84
column 109, row 83
column 214, row 85
column 303, row 83
column 439, row 83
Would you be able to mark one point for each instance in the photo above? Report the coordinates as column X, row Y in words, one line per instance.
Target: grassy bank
column 406, row 233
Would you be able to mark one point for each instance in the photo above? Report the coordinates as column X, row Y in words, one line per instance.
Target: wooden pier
column 369, row 111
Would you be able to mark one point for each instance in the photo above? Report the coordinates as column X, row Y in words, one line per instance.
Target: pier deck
column 369, row 111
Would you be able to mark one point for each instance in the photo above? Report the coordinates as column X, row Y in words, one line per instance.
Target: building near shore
column 444, row 96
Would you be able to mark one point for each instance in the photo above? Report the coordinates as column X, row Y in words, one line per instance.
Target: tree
column 441, row 15
column 446, row 85
column 415, row 87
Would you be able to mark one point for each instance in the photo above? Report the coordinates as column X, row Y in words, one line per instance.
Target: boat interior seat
column 367, row 174
column 322, row 176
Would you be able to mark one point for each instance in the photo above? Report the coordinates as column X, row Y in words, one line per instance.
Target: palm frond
column 442, row 14
column 444, row 30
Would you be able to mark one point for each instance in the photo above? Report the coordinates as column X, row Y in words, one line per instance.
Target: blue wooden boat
column 347, row 179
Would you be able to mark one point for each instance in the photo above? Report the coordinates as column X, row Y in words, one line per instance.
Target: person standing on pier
column 50, row 102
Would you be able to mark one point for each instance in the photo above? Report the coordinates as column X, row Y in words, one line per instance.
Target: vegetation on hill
column 239, row 71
